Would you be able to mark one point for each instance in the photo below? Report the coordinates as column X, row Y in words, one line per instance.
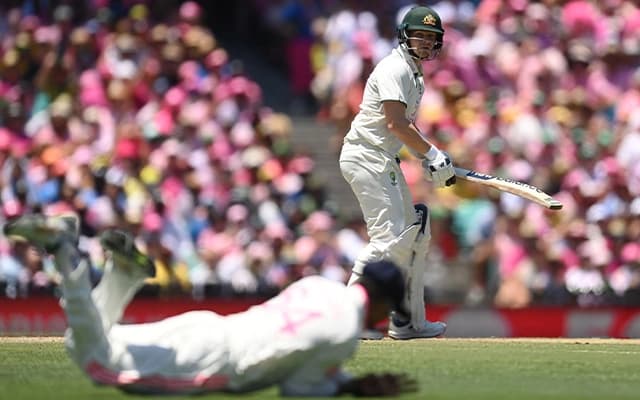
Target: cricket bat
column 517, row 188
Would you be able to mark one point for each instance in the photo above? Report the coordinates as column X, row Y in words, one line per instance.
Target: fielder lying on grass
column 298, row 340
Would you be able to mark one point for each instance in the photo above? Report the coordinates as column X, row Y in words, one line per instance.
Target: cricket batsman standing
column 397, row 229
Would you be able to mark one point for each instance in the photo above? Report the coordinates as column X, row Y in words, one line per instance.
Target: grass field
column 445, row 369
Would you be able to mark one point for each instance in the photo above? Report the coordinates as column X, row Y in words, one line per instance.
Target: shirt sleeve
column 391, row 83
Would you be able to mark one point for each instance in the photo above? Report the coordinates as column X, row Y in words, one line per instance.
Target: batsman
column 398, row 229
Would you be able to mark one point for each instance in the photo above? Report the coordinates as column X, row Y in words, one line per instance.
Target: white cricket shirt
column 298, row 339
column 398, row 78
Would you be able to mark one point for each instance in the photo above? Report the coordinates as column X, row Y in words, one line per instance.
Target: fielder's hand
column 439, row 168
column 386, row 384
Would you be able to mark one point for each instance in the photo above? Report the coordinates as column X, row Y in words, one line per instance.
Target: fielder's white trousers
column 184, row 354
column 383, row 194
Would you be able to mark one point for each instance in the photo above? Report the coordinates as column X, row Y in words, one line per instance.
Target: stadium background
column 212, row 131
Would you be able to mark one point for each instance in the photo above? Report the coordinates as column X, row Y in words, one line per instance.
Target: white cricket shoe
column 47, row 233
column 125, row 253
column 427, row 330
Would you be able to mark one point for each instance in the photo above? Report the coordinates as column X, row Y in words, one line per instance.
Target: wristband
column 432, row 153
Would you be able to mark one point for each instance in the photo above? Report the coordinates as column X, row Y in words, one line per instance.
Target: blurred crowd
column 134, row 116
column 544, row 92
column 141, row 121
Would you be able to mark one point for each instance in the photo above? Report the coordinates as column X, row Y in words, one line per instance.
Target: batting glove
column 439, row 168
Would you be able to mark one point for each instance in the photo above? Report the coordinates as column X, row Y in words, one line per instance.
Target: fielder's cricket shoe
column 125, row 253
column 47, row 233
column 427, row 330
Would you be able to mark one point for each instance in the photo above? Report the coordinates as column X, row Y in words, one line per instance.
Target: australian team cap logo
column 429, row 19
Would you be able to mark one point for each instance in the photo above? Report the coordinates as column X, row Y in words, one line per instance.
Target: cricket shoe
column 44, row 232
column 125, row 253
column 427, row 330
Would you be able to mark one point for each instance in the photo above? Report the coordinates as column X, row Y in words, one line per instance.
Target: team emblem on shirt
column 394, row 179
column 429, row 20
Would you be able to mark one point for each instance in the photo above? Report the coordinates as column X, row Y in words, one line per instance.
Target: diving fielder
column 369, row 163
column 298, row 340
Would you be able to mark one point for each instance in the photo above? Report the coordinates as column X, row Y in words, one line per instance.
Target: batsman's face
column 422, row 42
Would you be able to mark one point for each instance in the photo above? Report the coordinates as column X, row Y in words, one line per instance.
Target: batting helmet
column 421, row 18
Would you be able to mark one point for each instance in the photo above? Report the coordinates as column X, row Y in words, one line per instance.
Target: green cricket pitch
column 39, row 368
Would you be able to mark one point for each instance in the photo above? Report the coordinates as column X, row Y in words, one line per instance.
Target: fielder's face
column 422, row 43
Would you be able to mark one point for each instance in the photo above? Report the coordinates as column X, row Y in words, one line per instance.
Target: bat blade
column 517, row 188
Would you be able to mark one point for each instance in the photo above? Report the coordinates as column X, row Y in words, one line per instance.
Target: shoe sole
column 368, row 335
column 34, row 230
column 414, row 336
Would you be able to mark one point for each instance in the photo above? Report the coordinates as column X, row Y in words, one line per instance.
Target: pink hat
column 217, row 58
column 237, row 213
column 260, row 192
column 300, row 164
column 127, row 148
column 242, row 134
column 20, row 147
column 194, row 114
column 363, row 41
column 5, row 138
column 289, row 184
column 574, row 178
column 59, row 207
column 520, row 170
column 318, row 221
column 242, row 177
column 12, row 207
column 190, row 11
column 171, row 187
column 215, row 243
column 304, row 248
column 175, row 97
column 259, row 251
column 630, row 253
column 152, row 222
column 101, row 213
column 277, row 230
column 595, row 251
column 239, row 85
column 164, row 122
column 221, row 149
column 47, row 34
column 221, row 92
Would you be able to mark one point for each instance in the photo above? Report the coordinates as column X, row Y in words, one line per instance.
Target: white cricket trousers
column 182, row 354
column 383, row 194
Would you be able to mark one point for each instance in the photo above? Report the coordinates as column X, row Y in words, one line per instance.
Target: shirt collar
column 415, row 69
